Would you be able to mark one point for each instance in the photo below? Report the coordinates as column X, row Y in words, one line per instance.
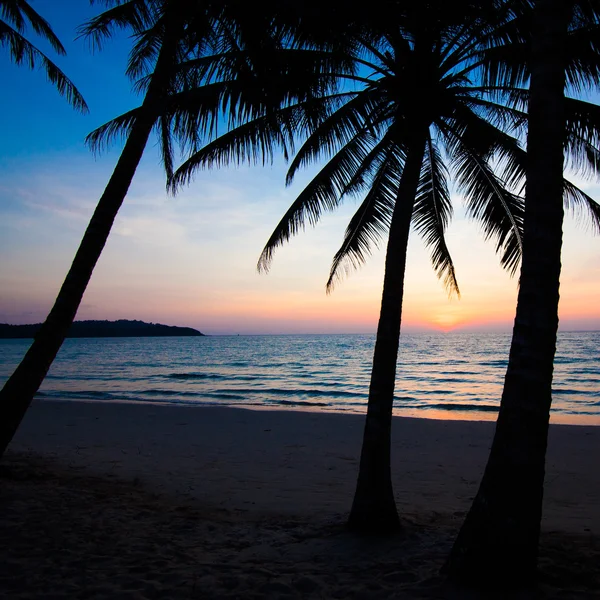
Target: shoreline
column 146, row 501
column 427, row 414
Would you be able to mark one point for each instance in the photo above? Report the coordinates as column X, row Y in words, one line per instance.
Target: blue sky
column 191, row 260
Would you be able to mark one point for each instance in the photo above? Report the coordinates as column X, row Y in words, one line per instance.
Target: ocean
column 444, row 376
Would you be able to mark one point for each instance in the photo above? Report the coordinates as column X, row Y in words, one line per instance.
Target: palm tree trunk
column 374, row 508
column 498, row 543
column 19, row 390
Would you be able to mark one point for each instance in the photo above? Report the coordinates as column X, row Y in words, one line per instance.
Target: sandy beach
column 151, row 501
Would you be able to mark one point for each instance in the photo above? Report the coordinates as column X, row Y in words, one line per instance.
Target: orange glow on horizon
column 266, row 306
column 446, row 321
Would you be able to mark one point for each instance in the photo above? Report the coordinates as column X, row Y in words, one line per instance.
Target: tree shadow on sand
column 65, row 534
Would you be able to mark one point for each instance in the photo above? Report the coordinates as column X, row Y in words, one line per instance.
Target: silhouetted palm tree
column 157, row 49
column 498, row 543
column 416, row 106
column 421, row 115
column 194, row 63
column 421, row 102
column 14, row 17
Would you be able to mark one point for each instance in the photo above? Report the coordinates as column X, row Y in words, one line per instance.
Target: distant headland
column 91, row 329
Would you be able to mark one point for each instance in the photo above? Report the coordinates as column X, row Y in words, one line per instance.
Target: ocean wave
column 332, row 383
column 193, row 375
column 456, row 361
column 404, row 398
column 294, row 392
column 435, row 372
column 562, row 360
column 80, row 394
column 494, row 363
column 224, row 396
column 465, row 373
column 581, row 380
column 213, row 377
column 82, row 376
column 576, row 392
column 449, row 380
column 466, row 407
column 298, row 403
column 158, row 392
column 436, row 391
column 278, row 365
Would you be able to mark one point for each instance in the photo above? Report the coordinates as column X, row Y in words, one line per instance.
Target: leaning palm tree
column 159, row 31
column 196, row 65
column 412, row 110
column 14, row 17
column 498, row 542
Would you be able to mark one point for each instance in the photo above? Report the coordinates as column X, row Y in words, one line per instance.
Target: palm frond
column 134, row 15
column 18, row 11
column 467, row 129
column 482, row 37
column 335, row 130
column 255, row 138
column 370, row 222
column 582, row 205
column 323, row 193
column 166, row 145
column 505, row 66
column 499, row 211
column 507, row 119
column 365, row 173
column 583, row 133
column 117, row 128
column 10, row 11
column 25, row 53
column 583, row 57
column 432, row 212
column 508, row 65
column 583, row 136
column 251, row 142
column 145, row 50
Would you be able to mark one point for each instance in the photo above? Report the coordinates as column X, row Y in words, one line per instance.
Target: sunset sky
column 191, row 260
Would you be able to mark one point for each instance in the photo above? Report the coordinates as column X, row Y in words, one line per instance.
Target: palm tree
column 175, row 61
column 390, row 145
column 202, row 66
column 425, row 73
column 14, row 15
column 417, row 107
column 162, row 29
column 422, row 110
column 498, row 542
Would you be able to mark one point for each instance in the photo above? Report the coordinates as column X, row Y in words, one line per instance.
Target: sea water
column 447, row 376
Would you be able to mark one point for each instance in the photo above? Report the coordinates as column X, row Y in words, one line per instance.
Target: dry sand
column 147, row 501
